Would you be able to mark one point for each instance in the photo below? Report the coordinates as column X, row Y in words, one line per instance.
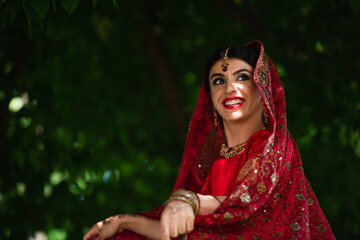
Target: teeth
column 233, row 102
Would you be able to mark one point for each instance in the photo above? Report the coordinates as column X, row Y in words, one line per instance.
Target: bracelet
column 217, row 198
column 177, row 198
column 185, row 196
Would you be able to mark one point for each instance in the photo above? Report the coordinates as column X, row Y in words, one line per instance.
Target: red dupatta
column 272, row 198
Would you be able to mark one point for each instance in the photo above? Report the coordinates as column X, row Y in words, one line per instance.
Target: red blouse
column 221, row 178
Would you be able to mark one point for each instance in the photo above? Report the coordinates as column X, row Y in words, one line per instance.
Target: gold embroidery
column 245, row 198
column 240, row 237
column 310, row 201
column 227, row 217
column 262, row 75
column 320, row 228
column 300, row 196
column 248, row 166
column 273, row 178
column 251, row 222
column 261, row 187
column 281, row 127
column 277, row 234
column 288, row 165
column 295, row 226
column 264, row 60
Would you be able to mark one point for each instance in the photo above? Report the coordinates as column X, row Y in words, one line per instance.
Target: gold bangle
column 185, row 196
column 198, row 201
column 171, row 199
column 190, row 196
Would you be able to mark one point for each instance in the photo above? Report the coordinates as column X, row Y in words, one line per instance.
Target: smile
column 231, row 103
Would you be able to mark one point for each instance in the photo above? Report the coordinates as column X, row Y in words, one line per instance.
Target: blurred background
column 96, row 99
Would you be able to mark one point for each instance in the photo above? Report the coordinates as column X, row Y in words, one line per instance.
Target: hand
column 176, row 219
column 106, row 228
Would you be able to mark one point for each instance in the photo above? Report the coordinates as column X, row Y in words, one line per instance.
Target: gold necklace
column 228, row 152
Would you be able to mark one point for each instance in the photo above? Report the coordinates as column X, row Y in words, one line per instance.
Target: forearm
column 208, row 203
column 147, row 227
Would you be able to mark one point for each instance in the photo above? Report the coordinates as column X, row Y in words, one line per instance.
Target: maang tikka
column 225, row 60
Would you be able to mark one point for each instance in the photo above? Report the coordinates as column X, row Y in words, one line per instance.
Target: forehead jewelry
column 225, row 60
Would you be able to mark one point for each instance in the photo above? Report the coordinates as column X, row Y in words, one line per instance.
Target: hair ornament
column 225, row 60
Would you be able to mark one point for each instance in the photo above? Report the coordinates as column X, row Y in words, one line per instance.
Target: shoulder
column 257, row 142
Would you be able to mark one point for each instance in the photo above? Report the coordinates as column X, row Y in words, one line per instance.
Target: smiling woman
column 241, row 176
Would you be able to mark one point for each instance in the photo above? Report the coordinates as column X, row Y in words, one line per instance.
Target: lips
column 232, row 103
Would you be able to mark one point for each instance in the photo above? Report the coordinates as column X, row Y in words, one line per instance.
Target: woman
column 241, row 176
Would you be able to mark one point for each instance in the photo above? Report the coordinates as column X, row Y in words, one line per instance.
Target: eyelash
column 246, row 77
column 242, row 77
column 217, row 80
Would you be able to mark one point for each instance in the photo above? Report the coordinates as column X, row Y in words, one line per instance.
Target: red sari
column 268, row 195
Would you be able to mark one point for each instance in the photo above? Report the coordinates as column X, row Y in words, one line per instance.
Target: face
column 234, row 93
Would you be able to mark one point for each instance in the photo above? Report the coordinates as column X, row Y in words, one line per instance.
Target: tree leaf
column 69, row 5
column 94, row 2
column 116, row 4
column 3, row 19
column 41, row 7
column 28, row 17
column 13, row 7
column 53, row 4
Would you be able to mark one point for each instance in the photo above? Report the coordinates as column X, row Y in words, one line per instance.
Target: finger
column 182, row 229
column 165, row 233
column 174, row 231
column 99, row 237
column 89, row 234
column 164, row 227
column 189, row 225
column 182, row 224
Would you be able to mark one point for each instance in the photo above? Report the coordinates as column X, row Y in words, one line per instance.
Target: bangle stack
column 186, row 196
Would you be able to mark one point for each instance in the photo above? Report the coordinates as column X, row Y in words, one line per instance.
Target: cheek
column 256, row 94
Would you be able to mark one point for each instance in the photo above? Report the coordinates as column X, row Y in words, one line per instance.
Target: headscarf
column 272, row 198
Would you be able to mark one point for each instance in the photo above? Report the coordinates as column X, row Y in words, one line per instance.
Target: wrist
column 125, row 221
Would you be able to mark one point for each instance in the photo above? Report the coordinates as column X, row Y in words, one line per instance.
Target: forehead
column 234, row 65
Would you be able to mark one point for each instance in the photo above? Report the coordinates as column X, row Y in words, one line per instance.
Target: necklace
column 228, row 152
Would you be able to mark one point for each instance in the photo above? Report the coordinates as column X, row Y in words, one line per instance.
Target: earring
column 215, row 117
column 265, row 118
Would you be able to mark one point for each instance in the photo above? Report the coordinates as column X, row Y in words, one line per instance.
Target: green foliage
column 87, row 130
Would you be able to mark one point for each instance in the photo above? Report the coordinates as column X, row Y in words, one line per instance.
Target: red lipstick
column 232, row 103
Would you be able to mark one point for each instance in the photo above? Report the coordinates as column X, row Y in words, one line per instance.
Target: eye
column 218, row 81
column 243, row 77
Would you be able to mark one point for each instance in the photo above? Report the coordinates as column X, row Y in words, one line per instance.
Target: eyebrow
column 237, row 72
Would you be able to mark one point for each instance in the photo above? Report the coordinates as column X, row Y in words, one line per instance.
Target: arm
column 208, row 203
column 177, row 218
column 144, row 226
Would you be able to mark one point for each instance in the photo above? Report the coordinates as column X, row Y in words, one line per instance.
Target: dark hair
column 248, row 54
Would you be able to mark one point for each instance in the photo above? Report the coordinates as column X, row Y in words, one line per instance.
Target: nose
column 230, row 87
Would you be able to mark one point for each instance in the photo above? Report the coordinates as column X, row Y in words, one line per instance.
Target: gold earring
column 215, row 117
column 265, row 117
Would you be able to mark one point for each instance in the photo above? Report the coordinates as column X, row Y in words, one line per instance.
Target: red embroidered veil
column 272, row 198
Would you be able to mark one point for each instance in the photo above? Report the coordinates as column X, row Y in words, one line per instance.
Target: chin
column 234, row 117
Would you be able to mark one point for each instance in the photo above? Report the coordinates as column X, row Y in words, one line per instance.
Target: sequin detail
column 320, row 228
column 295, row 226
column 261, row 187
column 245, row 198
column 273, row 177
column 227, row 217
column 300, row 196
column 288, row 166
